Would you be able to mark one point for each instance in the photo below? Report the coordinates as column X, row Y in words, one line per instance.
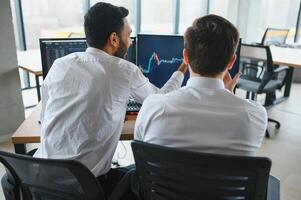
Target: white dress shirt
column 84, row 105
column 202, row 117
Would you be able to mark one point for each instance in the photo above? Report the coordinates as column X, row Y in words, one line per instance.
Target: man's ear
column 231, row 62
column 185, row 56
column 113, row 40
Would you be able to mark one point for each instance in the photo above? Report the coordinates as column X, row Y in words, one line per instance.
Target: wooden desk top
column 30, row 61
column 286, row 56
column 29, row 130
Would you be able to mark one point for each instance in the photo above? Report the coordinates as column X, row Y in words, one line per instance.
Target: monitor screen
column 131, row 53
column 235, row 67
column 159, row 56
column 54, row 48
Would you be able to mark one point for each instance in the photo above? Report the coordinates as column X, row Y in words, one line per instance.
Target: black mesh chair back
column 258, row 70
column 168, row 173
column 50, row 179
column 274, row 36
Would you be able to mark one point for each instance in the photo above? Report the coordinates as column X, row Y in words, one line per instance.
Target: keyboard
column 133, row 106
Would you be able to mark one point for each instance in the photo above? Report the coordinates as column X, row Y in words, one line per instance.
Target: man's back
column 84, row 100
column 203, row 117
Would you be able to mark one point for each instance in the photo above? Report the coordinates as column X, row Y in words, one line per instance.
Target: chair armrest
column 256, row 43
column 280, row 69
column 273, row 192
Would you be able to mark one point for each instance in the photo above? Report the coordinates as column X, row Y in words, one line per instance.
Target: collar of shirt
column 204, row 82
column 95, row 50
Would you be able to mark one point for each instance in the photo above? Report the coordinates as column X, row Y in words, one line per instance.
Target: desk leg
column 38, row 88
column 289, row 81
column 287, row 88
column 20, row 148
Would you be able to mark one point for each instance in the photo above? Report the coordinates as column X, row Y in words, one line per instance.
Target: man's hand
column 183, row 68
column 229, row 82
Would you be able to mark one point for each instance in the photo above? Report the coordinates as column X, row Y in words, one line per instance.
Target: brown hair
column 210, row 43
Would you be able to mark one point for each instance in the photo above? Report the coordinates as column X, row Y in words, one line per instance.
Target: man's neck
column 108, row 50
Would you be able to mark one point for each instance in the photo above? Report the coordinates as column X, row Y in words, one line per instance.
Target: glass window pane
column 189, row 11
column 128, row 4
column 258, row 15
column 285, row 17
column 52, row 18
column 157, row 16
column 13, row 8
column 226, row 8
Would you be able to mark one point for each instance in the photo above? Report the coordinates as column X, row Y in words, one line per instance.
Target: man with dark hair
column 205, row 115
column 85, row 94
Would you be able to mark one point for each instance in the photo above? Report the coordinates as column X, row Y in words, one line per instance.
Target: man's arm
column 44, row 102
column 142, row 88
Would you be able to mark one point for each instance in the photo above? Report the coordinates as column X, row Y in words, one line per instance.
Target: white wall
column 11, row 105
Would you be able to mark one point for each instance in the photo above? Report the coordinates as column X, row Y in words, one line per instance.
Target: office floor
column 284, row 146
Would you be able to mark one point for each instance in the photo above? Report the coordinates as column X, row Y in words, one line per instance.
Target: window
column 298, row 31
column 227, row 9
column 157, row 16
column 128, row 4
column 52, row 18
column 189, row 11
column 12, row 5
column 260, row 15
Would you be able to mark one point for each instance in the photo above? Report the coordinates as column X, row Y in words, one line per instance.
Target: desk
column 286, row 56
column 29, row 130
column 30, row 62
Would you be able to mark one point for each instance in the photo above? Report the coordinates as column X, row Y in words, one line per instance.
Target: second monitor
column 54, row 48
column 159, row 56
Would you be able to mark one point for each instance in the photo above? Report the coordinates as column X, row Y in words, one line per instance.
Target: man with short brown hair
column 205, row 115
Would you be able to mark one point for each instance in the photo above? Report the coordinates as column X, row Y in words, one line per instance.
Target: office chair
column 54, row 179
column 274, row 36
column 169, row 173
column 259, row 75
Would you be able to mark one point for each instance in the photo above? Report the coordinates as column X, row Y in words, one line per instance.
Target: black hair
column 101, row 20
column 210, row 43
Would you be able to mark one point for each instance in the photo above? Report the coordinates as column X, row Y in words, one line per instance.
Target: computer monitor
column 54, row 48
column 235, row 67
column 159, row 56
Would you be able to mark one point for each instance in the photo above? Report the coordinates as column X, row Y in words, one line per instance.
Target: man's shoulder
column 156, row 99
column 125, row 64
column 249, row 105
column 68, row 58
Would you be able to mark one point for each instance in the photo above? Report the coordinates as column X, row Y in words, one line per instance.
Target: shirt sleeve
column 150, row 116
column 142, row 88
column 44, row 102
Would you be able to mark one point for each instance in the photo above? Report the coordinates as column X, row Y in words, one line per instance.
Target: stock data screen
column 159, row 56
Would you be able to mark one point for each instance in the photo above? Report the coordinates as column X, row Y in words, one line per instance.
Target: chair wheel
column 267, row 134
column 277, row 126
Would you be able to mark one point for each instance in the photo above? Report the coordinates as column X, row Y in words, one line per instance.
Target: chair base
column 277, row 126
